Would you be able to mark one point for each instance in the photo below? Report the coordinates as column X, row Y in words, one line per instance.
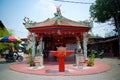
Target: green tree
column 107, row 10
column 4, row 32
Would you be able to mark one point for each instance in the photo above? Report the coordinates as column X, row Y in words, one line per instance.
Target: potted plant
column 31, row 60
column 91, row 61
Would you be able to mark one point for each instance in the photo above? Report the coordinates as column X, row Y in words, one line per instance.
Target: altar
column 61, row 53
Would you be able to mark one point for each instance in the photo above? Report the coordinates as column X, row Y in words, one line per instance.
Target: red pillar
column 61, row 63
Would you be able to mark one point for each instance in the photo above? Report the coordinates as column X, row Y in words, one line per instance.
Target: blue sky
column 12, row 13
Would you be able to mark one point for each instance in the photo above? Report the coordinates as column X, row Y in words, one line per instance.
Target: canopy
column 9, row 39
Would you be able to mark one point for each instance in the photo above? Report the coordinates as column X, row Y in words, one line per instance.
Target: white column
column 78, row 51
column 33, row 47
column 85, row 44
column 77, row 59
column 41, row 48
column 41, row 60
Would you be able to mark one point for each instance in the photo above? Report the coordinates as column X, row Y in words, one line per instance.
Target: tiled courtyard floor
column 51, row 69
column 112, row 74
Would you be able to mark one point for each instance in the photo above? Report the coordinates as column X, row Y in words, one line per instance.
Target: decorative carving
column 59, row 32
column 27, row 20
column 40, row 47
column 31, row 43
column 58, row 9
column 85, row 39
column 79, row 49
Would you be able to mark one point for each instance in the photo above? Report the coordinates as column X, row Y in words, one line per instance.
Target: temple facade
column 58, row 31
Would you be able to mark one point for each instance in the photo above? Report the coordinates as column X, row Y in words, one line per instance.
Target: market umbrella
column 10, row 39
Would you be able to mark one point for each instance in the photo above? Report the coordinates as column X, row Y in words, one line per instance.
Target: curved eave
column 62, row 28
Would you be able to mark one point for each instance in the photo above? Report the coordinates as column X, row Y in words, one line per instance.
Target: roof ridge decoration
column 58, row 10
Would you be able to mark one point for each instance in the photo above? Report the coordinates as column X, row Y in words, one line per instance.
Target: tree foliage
column 4, row 32
column 104, row 10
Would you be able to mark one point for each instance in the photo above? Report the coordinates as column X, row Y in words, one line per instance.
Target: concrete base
column 83, row 67
column 35, row 67
column 57, row 71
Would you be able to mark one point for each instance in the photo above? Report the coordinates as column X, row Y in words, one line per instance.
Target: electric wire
column 73, row 2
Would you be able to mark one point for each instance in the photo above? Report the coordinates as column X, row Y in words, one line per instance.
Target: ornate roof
column 55, row 23
column 57, row 20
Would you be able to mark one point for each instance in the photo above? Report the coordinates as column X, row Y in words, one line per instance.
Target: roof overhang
column 62, row 28
column 48, row 31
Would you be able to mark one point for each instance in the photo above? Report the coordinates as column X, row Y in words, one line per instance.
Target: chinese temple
column 59, row 31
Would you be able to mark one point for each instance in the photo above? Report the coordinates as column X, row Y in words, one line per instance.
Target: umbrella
column 9, row 39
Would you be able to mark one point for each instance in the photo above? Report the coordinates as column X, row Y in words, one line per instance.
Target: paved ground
column 113, row 74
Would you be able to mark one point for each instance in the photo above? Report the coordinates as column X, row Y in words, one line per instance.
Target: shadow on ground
column 5, row 62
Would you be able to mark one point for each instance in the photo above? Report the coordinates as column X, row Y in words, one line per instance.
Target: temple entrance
column 51, row 43
column 56, row 41
column 59, row 41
